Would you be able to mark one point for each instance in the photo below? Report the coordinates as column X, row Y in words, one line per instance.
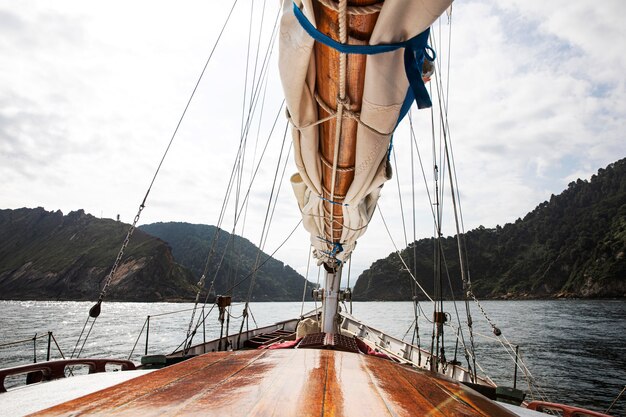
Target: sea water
column 575, row 350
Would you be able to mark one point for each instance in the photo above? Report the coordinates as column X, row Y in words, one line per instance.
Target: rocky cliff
column 48, row 256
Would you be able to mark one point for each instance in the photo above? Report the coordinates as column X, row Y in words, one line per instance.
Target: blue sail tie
column 414, row 55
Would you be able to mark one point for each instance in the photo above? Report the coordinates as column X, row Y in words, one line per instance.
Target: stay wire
column 462, row 247
column 395, row 167
column 400, row 255
column 267, row 220
column 158, row 169
column 238, row 156
column 306, row 278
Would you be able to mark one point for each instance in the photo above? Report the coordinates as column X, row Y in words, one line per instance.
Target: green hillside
column 191, row 244
column 48, row 256
column 572, row 245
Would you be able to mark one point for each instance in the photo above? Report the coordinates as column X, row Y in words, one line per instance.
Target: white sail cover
column 384, row 91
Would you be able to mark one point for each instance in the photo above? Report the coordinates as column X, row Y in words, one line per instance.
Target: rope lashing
column 337, row 247
column 330, row 166
column 354, row 10
column 347, row 113
column 415, row 51
column 333, row 202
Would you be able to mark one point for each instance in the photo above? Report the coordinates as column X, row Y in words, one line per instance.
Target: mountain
column 48, row 256
column 573, row 245
column 191, row 244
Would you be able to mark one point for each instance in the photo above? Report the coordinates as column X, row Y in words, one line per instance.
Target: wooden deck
column 300, row 382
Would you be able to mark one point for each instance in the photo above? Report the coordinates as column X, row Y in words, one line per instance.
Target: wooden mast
column 338, row 146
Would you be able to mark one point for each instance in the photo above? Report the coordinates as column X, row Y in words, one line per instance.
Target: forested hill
column 48, row 256
column 191, row 243
column 573, row 245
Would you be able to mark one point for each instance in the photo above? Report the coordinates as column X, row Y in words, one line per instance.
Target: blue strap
column 414, row 54
column 333, row 202
column 337, row 247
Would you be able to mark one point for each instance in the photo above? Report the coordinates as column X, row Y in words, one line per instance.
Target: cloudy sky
column 91, row 92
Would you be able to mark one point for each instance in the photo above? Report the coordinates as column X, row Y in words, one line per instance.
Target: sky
column 92, row 91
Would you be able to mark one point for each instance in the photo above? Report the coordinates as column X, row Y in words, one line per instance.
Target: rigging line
column 532, row 382
column 256, row 146
column 395, row 166
column 255, row 101
column 454, row 193
column 258, row 44
column 263, row 239
column 237, row 158
column 413, row 290
column 282, row 177
column 267, row 220
column 256, row 84
column 306, row 278
column 263, row 82
column 419, row 156
column 522, row 363
column 215, row 236
column 349, row 269
column 137, row 340
column 400, row 256
column 80, row 336
column 319, row 273
column 243, row 119
column 268, row 258
column 451, row 160
column 258, row 166
column 245, row 83
column 263, row 73
column 86, row 337
column 189, row 101
column 608, row 410
column 353, row 229
column 343, row 38
column 262, row 76
column 243, row 134
column 198, row 324
column 449, row 60
column 456, row 331
column 456, row 309
column 462, row 247
column 478, row 366
column 409, row 329
column 19, row 342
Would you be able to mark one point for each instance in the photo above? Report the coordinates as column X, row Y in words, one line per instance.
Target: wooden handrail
column 565, row 410
column 56, row 369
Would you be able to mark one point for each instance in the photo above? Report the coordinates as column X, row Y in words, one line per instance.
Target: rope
column 348, row 114
column 137, row 340
column 349, row 268
column 400, row 256
column 341, row 102
column 395, row 167
column 241, row 281
column 143, row 203
column 353, row 10
column 306, row 276
column 616, row 399
column 339, row 169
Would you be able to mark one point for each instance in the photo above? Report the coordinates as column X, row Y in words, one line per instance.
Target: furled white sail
column 384, row 92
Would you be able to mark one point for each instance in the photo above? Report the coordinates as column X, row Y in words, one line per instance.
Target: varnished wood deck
column 302, row 382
